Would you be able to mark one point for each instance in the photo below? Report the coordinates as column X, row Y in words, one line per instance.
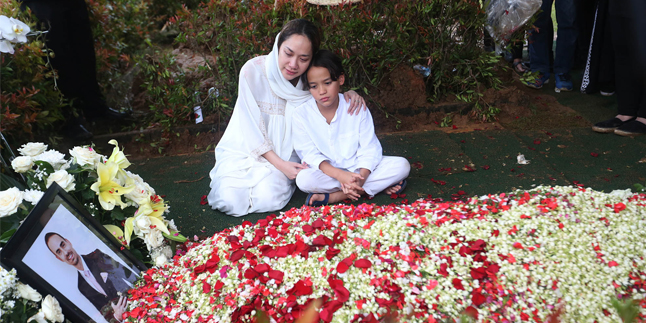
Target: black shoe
column 77, row 131
column 609, row 125
column 632, row 128
column 116, row 114
column 96, row 109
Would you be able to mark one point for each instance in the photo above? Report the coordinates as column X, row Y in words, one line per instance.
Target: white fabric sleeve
column 370, row 152
column 246, row 121
column 303, row 144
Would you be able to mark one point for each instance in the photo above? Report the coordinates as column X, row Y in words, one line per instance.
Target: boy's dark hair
column 329, row 60
column 301, row 27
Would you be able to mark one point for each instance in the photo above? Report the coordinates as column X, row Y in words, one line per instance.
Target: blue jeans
column 540, row 42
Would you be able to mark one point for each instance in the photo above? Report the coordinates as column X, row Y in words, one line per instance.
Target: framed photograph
column 61, row 250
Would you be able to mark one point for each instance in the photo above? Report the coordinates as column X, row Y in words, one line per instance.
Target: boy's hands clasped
column 351, row 184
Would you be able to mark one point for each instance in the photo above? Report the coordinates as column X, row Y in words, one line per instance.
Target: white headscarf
column 281, row 86
column 294, row 95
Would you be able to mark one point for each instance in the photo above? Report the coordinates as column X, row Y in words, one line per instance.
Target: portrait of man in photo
column 101, row 279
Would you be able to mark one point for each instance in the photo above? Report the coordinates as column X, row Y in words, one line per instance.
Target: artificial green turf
column 561, row 158
column 473, row 163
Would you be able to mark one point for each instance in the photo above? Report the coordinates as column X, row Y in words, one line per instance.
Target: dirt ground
column 399, row 105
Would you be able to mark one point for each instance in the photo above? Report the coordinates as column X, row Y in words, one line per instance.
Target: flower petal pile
column 501, row 258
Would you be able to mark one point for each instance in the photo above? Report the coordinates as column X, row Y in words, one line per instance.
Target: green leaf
column 45, row 166
column 117, row 214
column 88, row 194
column 137, row 253
column 6, row 235
column 175, row 236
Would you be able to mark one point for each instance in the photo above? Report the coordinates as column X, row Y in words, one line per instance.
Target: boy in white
column 342, row 151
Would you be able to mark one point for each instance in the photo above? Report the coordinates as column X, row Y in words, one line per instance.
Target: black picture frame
column 17, row 253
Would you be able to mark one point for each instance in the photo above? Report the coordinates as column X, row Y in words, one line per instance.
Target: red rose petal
column 276, row 275
column 344, row 265
column 478, row 273
column 300, row 289
column 363, row 263
column 262, row 268
column 236, row 255
column 331, row 252
column 250, row 274
column 472, row 311
column 477, row 298
column 457, row 283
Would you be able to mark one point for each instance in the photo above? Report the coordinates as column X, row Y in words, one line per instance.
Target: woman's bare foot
column 393, row 189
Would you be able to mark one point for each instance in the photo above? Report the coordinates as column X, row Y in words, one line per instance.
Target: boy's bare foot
column 394, row 189
column 334, row 198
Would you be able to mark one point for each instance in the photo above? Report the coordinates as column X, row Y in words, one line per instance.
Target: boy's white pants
column 390, row 171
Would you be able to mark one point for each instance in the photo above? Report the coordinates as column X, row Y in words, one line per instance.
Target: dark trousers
column 540, row 42
column 70, row 37
column 628, row 28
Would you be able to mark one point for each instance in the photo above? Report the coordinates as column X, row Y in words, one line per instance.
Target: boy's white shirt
column 348, row 142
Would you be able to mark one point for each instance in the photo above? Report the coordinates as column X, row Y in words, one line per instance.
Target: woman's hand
column 355, row 100
column 291, row 169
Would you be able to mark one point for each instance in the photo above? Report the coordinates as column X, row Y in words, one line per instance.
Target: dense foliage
column 28, row 96
column 372, row 37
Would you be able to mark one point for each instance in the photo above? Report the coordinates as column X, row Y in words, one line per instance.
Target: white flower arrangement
column 110, row 193
column 501, row 258
column 19, row 302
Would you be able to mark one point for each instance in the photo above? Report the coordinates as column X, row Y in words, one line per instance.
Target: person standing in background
column 540, row 45
column 628, row 26
column 70, row 37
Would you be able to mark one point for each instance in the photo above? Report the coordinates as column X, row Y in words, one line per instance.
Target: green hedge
column 31, row 103
column 372, row 37
column 28, row 99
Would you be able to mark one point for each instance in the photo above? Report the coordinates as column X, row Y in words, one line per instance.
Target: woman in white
column 255, row 163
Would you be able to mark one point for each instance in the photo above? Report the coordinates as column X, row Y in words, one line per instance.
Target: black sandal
column 317, row 203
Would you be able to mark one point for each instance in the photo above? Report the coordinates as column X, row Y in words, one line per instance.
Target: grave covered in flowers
column 523, row 256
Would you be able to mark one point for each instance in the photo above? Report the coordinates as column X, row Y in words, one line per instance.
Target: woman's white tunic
column 243, row 181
